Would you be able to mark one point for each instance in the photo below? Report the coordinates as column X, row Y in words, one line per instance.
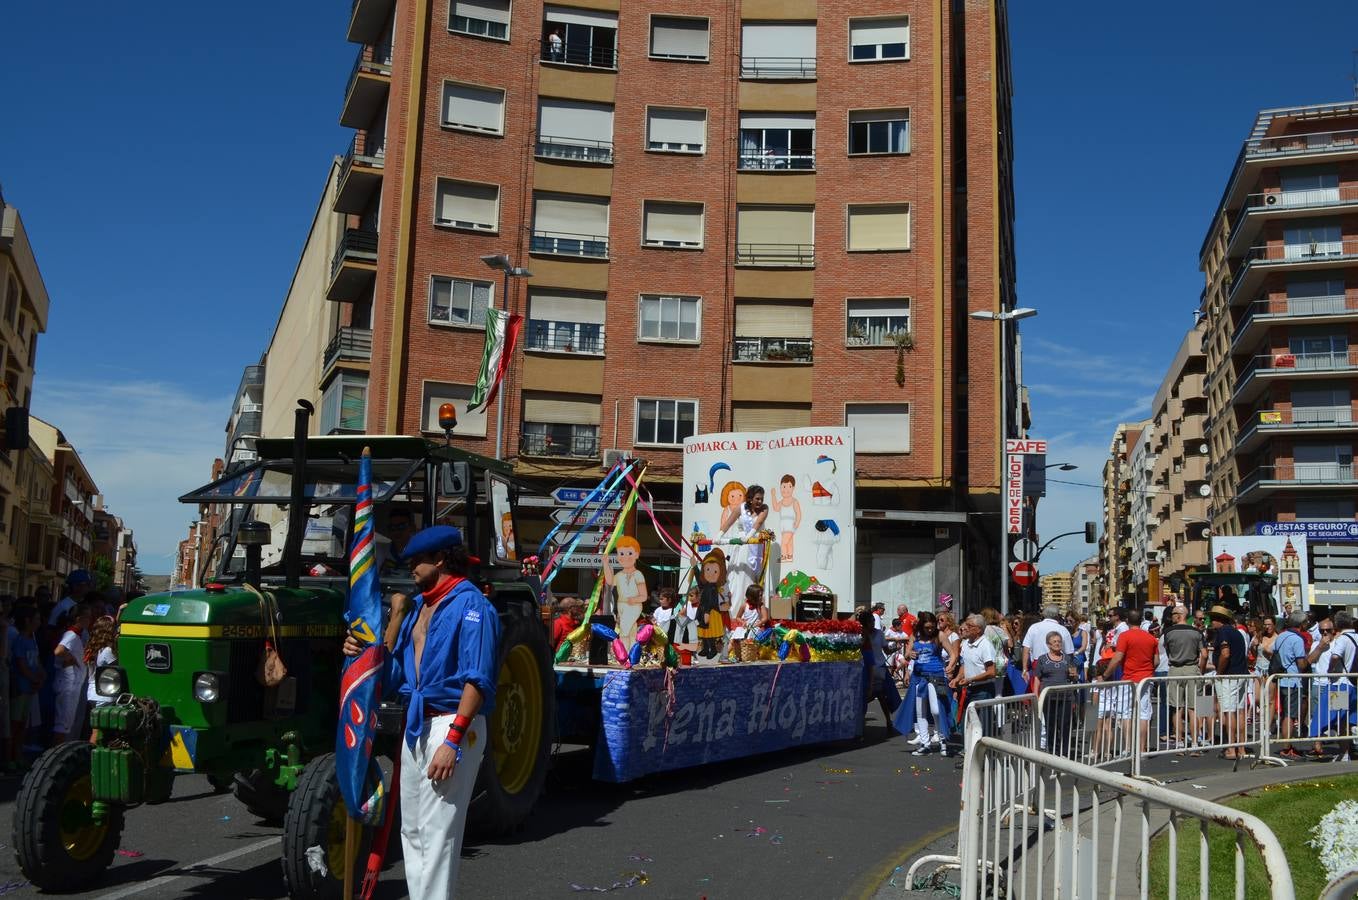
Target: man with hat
column 77, row 586
column 1228, row 656
column 444, row 665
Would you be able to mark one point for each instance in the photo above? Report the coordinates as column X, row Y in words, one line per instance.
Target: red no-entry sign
column 1024, row 573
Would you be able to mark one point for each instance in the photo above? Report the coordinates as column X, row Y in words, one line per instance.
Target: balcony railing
column 767, row 349
column 603, row 56
column 247, row 425
column 366, row 149
column 373, row 59
column 580, row 442
column 562, row 243
column 565, row 337
column 1333, row 361
column 1299, row 144
column 775, row 254
column 575, row 149
column 759, row 160
column 1297, row 474
column 357, row 245
column 348, row 343
column 778, row 67
column 1316, row 198
column 1295, row 307
column 1314, row 251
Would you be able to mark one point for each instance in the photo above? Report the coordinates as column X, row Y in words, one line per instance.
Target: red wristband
column 462, row 723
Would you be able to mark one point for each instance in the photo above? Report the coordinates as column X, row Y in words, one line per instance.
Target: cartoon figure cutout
column 789, row 514
column 827, row 536
column 713, row 602
column 630, row 585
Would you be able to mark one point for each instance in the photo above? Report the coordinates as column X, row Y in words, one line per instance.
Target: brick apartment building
column 1281, row 299
column 736, row 216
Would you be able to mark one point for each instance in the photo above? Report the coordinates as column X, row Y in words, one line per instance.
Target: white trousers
column 434, row 815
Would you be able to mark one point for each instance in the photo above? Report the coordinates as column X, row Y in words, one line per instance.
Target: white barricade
column 1088, row 723
column 1310, row 713
column 1196, row 714
column 1038, row 825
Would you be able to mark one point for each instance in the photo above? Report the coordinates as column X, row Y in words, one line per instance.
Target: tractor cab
column 1247, row 594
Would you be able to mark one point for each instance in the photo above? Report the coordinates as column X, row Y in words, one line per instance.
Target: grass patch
column 1291, row 810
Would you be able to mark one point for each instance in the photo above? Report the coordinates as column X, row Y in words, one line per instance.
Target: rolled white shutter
column 783, row 120
column 879, row 227
column 778, row 40
column 572, row 119
column 674, row 222
column 474, row 107
column 770, row 416
column 880, row 31
column 566, row 307
column 555, row 409
column 879, row 427
column 677, row 126
column 487, row 10
column 574, row 16
column 687, row 38
column 773, row 320
column 774, row 225
column 570, row 215
column 463, row 201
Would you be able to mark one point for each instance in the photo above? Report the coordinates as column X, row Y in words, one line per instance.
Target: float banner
column 722, row 713
column 1282, row 556
column 1315, row 531
column 807, row 476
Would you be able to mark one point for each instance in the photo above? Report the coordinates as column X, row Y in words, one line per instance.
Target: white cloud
column 145, row 443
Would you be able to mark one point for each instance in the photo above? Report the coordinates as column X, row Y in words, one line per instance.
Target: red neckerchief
column 442, row 590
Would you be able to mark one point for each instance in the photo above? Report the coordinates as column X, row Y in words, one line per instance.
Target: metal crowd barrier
column 1197, row 714
column 1034, row 824
column 1089, row 723
column 1307, row 711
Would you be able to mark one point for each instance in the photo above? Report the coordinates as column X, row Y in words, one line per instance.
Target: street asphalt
column 826, row 821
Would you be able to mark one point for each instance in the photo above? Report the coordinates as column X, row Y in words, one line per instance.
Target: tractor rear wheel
column 58, row 844
column 521, row 727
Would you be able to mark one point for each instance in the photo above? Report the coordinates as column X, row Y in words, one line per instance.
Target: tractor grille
column 245, row 695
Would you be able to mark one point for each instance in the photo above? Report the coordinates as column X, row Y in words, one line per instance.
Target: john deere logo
column 158, row 657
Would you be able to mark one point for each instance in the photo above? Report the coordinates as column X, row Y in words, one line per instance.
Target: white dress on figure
column 746, row 560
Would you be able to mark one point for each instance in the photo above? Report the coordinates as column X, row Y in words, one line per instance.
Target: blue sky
column 167, row 157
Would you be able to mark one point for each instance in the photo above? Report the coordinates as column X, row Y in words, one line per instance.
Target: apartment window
column 879, row 39
column 570, row 225
column 871, row 323
column 1318, row 347
column 873, row 131
column 565, row 321
column 466, row 204
column 879, row 227
column 483, row 18
column 676, row 130
column 570, row 129
column 1307, row 187
column 344, row 404
column 668, row 318
column 472, row 107
column 676, row 38
column 1309, row 240
column 1321, row 403
column 1332, row 508
column 769, row 416
column 11, row 300
column 469, row 424
column 786, row 141
column 580, row 37
column 775, row 235
column 459, row 301
column 773, row 331
column 560, row 425
column 666, row 422
column 778, row 50
column 672, row 224
column 879, row 427
column 1322, row 462
column 1319, row 295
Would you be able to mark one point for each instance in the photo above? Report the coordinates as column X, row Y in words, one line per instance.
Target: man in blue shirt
column 1290, row 648
column 444, row 666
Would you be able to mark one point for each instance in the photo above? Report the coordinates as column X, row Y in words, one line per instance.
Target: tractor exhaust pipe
column 297, row 507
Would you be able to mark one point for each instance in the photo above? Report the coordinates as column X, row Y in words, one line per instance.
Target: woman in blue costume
column 928, row 696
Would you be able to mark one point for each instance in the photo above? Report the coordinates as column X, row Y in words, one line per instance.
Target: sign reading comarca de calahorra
column 1014, row 451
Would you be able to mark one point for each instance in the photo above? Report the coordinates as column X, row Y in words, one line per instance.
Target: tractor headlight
column 110, row 681
column 207, row 687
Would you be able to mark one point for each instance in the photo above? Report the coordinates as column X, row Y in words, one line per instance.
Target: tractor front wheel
column 313, row 835
column 59, row 845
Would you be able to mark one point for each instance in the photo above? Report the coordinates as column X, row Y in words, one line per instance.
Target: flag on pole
column 360, row 779
column 502, row 333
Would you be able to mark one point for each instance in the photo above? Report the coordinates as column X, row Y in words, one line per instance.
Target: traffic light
column 1091, row 533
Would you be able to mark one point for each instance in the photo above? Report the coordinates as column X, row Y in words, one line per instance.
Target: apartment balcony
column 368, row 20
column 770, row 161
column 590, row 56
column 773, row 349
column 360, row 174
column 1302, row 421
column 1265, row 368
column 1258, row 261
column 1193, row 430
column 574, row 149
column 778, row 68
column 1261, row 315
column 1195, row 468
column 1270, row 206
column 247, row 425
column 1310, row 477
column 549, row 336
column 349, row 345
column 800, row 256
column 354, row 266
column 1321, row 144
column 557, row 441
column 559, row 243
column 369, row 85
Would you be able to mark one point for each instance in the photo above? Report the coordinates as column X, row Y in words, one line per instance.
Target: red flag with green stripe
column 502, row 334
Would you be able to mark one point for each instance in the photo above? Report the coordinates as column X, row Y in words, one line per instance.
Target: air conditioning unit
column 1271, row 199
column 612, row 455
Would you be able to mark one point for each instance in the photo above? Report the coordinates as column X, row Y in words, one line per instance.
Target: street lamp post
column 1003, row 318
column 502, row 263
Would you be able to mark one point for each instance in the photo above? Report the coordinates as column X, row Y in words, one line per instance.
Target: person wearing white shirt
column 71, row 678
column 976, row 672
column 78, row 584
column 1035, row 641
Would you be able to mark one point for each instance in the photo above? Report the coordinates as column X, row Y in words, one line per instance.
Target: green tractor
column 187, row 694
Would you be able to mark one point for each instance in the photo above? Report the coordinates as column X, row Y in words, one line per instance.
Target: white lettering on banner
column 1020, row 445
column 1013, row 495
column 708, row 721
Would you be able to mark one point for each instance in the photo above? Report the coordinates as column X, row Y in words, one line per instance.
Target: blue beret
column 78, row 577
column 433, row 539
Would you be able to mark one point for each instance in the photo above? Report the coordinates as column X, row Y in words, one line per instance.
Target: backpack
column 1275, row 662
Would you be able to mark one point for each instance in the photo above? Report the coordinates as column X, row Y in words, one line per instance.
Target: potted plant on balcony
column 858, row 336
column 904, row 340
column 778, row 353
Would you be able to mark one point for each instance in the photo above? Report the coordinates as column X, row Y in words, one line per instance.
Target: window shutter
column 879, row 31
column 575, row 16
column 471, row 424
column 556, row 409
column 677, row 126
column 879, row 427
column 570, row 215
column 773, row 320
column 474, row 107
column 774, row 225
column 770, row 417
column 567, row 307
column 462, row 201
column 879, row 227
column 579, row 121
column 784, row 120
column 686, row 38
column 879, row 307
column 779, row 40
column 487, row 10
column 674, row 222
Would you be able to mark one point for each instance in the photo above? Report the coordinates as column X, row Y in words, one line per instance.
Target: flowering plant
column 1336, row 838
